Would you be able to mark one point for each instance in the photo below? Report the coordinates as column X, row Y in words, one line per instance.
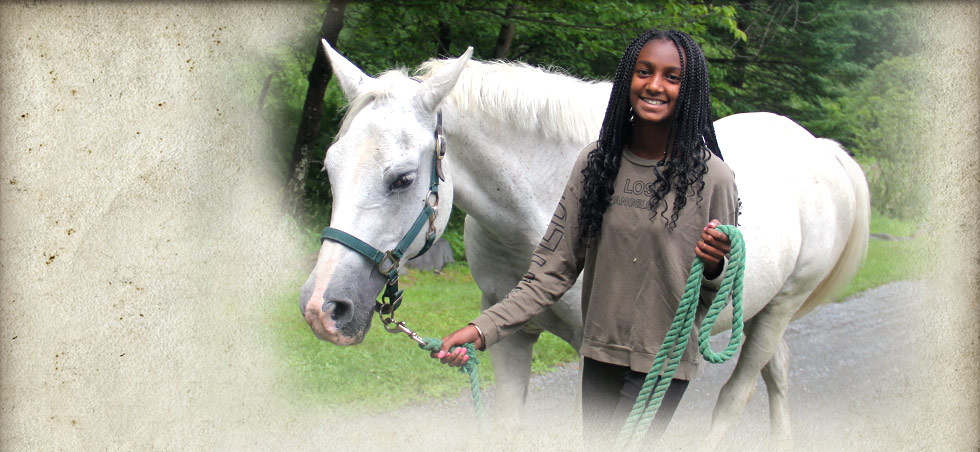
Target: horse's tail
column 856, row 247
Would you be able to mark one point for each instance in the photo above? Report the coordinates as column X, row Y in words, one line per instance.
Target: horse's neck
column 510, row 180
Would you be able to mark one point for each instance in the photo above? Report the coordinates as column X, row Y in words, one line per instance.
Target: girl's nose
column 656, row 85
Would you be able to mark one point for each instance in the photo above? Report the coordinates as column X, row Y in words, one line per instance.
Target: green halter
column 387, row 261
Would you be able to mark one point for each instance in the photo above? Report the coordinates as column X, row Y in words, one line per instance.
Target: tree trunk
column 445, row 39
column 309, row 125
column 506, row 34
column 265, row 91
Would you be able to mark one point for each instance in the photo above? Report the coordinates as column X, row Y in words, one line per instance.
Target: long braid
column 692, row 137
column 604, row 160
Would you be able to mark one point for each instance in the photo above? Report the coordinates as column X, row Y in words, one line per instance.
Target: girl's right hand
column 457, row 357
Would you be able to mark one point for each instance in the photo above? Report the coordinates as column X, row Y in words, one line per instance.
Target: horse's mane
column 525, row 98
column 528, row 99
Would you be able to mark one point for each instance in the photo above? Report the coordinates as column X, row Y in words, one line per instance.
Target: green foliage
column 584, row 38
column 803, row 59
column 886, row 134
column 454, row 234
column 889, row 261
column 388, row 370
column 800, row 58
column 881, row 223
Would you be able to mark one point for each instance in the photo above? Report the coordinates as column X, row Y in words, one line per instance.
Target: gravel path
column 847, row 383
column 850, row 386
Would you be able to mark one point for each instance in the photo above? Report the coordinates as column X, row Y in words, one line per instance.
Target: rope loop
column 669, row 356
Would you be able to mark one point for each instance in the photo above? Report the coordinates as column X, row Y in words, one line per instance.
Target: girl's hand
column 712, row 248
column 457, row 357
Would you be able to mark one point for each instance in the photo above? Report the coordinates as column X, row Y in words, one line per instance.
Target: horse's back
column 805, row 208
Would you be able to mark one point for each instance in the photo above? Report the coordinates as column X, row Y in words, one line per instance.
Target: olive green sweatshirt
column 634, row 271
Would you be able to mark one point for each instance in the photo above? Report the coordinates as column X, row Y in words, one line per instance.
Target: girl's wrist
column 479, row 332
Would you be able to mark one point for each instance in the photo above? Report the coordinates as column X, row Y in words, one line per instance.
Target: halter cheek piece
column 387, row 261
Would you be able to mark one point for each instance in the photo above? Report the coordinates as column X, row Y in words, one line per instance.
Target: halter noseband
column 387, row 261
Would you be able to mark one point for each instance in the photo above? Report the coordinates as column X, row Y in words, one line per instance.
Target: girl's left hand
column 712, row 248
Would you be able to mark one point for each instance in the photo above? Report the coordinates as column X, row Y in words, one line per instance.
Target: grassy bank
column 389, row 370
column 890, row 260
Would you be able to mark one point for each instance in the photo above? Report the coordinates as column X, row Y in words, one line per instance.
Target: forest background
column 843, row 69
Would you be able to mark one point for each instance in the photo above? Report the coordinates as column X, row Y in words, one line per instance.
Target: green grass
column 889, row 261
column 388, row 370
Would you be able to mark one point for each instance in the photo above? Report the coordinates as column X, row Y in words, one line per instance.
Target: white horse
column 513, row 132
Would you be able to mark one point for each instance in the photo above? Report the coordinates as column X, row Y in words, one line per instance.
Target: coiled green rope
column 644, row 409
column 434, row 345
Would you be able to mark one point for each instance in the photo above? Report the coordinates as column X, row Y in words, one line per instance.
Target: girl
column 631, row 220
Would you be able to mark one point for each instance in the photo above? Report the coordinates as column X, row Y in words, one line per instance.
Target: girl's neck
column 649, row 140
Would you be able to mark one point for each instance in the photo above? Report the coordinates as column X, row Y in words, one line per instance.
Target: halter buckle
column 391, row 265
column 440, row 147
column 440, row 150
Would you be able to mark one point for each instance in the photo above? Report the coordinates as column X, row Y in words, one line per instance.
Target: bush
column 886, row 133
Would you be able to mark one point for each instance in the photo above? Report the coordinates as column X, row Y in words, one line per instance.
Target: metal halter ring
column 387, row 257
column 430, row 235
column 432, row 200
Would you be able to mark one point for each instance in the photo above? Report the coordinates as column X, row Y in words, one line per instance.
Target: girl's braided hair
column 690, row 143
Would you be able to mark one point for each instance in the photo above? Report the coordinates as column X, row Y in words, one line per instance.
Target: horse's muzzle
column 332, row 321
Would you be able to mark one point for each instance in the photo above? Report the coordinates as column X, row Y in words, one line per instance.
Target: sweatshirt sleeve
column 555, row 265
column 724, row 207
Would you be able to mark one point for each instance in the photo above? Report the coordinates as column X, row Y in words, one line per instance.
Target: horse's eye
column 403, row 181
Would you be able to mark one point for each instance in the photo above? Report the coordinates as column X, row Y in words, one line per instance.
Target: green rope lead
column 434, row 345
column 675, row 342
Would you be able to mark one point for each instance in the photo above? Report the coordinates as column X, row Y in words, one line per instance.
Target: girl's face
column 656, row 82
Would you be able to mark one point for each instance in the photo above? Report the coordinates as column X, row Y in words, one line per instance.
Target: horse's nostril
column 340, row 311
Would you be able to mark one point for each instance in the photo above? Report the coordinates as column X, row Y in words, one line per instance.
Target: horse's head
column 380, row 168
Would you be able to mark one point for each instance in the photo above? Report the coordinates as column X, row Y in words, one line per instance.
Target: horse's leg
column 763, row 334
column 494, row 267
column 512, row 371
column 776, row 376
column 497, row 266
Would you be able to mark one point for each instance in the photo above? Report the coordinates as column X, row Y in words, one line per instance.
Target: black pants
column 608, row 394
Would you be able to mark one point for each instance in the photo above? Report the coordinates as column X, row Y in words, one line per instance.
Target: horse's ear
column 351, row 78
column 436, row 87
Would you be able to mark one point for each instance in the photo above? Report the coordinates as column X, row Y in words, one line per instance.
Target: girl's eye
column 674, row 77
column 403, row 181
